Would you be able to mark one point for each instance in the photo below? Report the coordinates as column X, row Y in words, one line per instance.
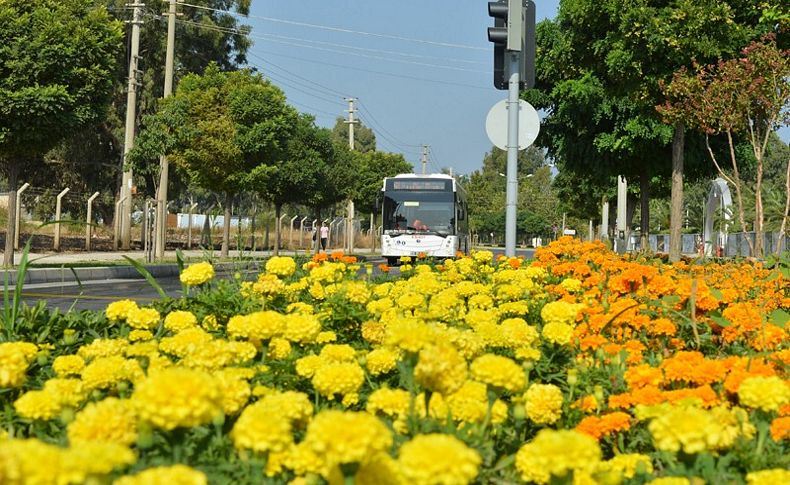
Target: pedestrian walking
column 324, row 235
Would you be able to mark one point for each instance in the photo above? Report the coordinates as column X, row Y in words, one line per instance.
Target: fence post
column 189, row 226
column 18, row 213
column 116, row 222
column 301, row 232
column 291, row 234
column 57, row 217
column 89, row 226
column 329, row 236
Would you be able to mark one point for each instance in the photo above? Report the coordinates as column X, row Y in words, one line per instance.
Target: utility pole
column 424, row 159
column 160, row 235
column 349, row 246
column 622, row 205
column 125, row 212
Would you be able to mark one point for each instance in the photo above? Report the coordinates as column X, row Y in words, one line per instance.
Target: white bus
column 423, row 214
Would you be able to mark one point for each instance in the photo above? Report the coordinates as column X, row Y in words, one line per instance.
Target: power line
column 381, row 126
column 327, row 89
column 343, row 30
column 289, row 76
column 230, row 30
column 395, row 144
column 341, row 66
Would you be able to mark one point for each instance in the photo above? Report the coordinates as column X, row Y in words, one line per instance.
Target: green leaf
column 779, row 317
column 716, row 293
column 670, row 300
column 147, row 275
column 719, row 319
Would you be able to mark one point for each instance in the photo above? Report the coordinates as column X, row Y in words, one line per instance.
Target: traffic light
column 514, row 31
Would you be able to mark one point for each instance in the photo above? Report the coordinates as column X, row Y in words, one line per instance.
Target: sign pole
column 512, row 154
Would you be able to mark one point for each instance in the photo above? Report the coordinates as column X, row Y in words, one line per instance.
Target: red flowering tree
column 746, row 96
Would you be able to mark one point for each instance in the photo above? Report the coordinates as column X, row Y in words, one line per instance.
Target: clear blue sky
column 404, row 95
column 408, row 101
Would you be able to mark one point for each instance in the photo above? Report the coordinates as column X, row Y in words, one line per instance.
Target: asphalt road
column 96, row 295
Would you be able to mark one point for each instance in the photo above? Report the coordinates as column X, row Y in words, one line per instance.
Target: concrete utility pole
column 424, row 159
column 160, row 233
column 512, row 152
column 605, row 221
column 622, row 201
column 349, row 225
column 125, row 209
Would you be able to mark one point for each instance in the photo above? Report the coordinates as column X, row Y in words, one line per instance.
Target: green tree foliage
column 225, row 130
column 599, row 66
column 372, row 167
column 748, row 96
column 364, row 138
column 56, row 63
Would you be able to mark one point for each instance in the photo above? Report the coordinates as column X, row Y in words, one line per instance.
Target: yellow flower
column 380, row 361
column 105, row 372
column 766, row 393
column 408, row 334
column 282, row 266
column 14, row 360
column 234, row 390
column 559, row 312
column 143, row 318
column 688, row 428
column 433, row 459
column 279, row 349
column 120, row 310
column 301, row 328
column 499, row 372
column 470, row 405
column 571, row 285
column 257, row 326
column 670, row 481
column 389, row 402
column 261, row 429
column 556, row 454
column 103, row 348
column 175, row 475
column 326, row 337
column 68, row 365
column 37, row 405
column 628, row 465
column 140, row 335
column 768, row 477
column 543, row 403
column 411, row 301
column 110, row 420
column 557, row 333
column 177, row 397
column 336, row 438
column 338, row 378
column 179, row 320
column 484, row 257
column 197, row 274
column 440, row 368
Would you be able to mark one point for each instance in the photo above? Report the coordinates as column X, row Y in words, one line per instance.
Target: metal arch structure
column 718, row 197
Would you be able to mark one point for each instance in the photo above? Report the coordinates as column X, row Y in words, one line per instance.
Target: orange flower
column 643, row 376
column 587, row 403
column 348, row 259
column 780, row 428
column 705, row 394
column 319, row 257
column 384, row 268
column 662, row 326
column 514, row 263
column 605, row 425
column 768, row 338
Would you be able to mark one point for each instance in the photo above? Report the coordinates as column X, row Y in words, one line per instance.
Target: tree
column 748, row 96
column 364, row 138
column 226, row 130
column 599, row 68
column 56, row 63
column 372, row 167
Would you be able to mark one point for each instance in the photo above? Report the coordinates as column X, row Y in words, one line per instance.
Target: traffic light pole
column 512, row 153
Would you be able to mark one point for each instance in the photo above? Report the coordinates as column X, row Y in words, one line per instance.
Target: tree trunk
column 758, row 209
column 644, row 196
column 277, row 229
column 13, row 175
column 676, row 211
column 783, row 228
column 226, row 225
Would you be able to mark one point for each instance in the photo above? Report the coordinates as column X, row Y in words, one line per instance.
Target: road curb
column 93, row 273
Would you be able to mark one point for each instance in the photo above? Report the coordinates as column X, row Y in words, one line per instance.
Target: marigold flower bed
column 577, row 367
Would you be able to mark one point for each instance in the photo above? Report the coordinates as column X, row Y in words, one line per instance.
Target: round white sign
column 528, row 125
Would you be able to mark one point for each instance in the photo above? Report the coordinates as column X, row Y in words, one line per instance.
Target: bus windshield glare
column 430, row 212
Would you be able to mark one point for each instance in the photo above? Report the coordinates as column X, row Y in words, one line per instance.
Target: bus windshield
column 419, row 212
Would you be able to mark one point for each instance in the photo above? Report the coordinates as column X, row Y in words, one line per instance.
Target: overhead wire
column 231, row 30
column 341, row 66
column 340, row 29
column 366, row 110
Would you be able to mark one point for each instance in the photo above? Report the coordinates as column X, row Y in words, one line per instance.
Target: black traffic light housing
column 503, row 40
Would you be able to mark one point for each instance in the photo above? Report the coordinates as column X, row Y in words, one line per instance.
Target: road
column 96, row 295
